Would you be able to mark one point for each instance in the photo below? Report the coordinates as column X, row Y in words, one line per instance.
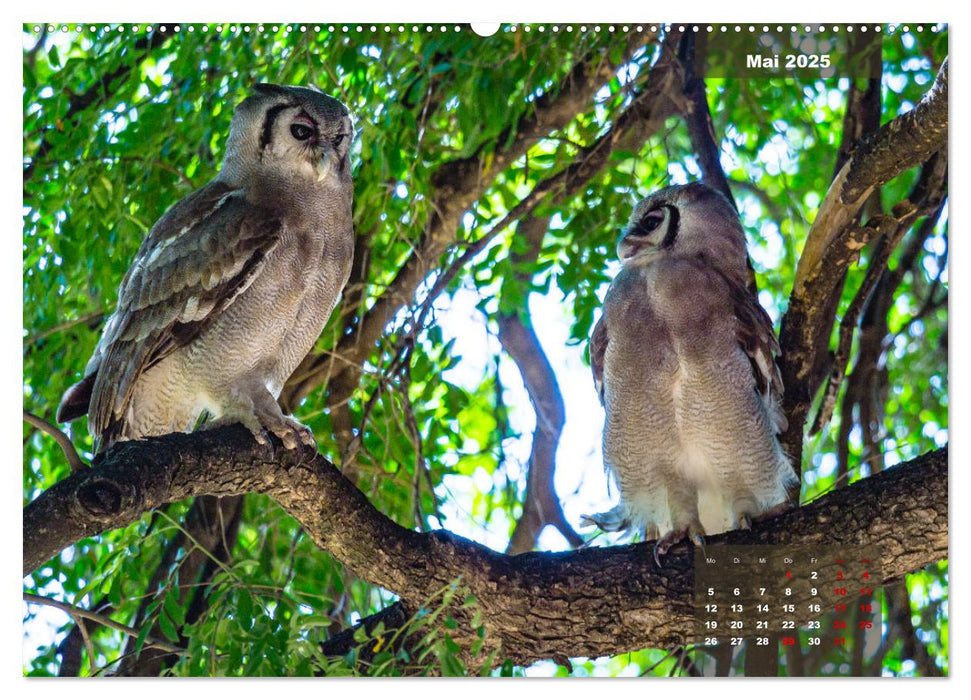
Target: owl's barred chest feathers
column 262, row 336
column 657, row 370
column 284, row 310
column 683, row 359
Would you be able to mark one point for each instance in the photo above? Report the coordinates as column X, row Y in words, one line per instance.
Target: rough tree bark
column 590, row 602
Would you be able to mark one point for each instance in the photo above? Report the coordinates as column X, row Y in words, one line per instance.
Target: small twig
column 93, row 317
column 75, row 611
column 292, row 559
column 70, row 453
column 79, row 621
column 667, row 655
column 414, row 434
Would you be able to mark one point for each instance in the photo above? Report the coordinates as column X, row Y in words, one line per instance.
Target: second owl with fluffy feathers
column 683, row 359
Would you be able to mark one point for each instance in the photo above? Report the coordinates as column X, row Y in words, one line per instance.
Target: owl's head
column 293, row 134
column 684, row 220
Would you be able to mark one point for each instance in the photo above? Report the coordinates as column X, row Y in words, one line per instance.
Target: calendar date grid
column 774, row 594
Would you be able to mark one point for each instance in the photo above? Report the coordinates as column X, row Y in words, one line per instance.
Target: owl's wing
column 757, row 339
column 598, row 346
column 197, row 259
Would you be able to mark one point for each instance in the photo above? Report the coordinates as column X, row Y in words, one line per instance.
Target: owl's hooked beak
column 325, row 163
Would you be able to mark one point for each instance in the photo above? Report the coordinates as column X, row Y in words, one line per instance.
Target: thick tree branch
column 898, row 145
column 697, row 117
column 901, row 143
column 834, row 243
column 590, row 602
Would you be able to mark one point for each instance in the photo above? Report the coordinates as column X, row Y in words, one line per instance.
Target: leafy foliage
column 119, row 125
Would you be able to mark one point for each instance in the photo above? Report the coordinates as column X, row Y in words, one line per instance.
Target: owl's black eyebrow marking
column 271, row 114
column 672, row 232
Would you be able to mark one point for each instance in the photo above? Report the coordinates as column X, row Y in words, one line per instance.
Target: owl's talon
column 695, row 533
column 293, row 434
column 285, row 434
column 303, row 435
column 306, row 436
column 665, row 543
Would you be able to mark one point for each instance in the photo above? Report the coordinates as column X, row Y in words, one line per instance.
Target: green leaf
column 167, row 626
column 244, row 609
column 173, row 607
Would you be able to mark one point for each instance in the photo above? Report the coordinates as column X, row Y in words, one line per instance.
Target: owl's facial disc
column 654, row 231
column 306, row 133
column 324, row 151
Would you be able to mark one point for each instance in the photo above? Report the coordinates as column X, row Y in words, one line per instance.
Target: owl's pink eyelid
column 305, row 120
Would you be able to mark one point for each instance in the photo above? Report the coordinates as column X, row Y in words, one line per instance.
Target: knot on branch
column 103, row 498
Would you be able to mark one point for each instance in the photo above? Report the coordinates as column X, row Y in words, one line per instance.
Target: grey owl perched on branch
column 234, row 283
column 683, row 360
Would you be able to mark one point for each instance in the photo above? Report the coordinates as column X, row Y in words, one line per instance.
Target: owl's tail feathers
column 614, row 520
column 76, row 400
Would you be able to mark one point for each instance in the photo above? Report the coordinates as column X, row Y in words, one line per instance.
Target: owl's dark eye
column 651, row 221
column 338, row 140
column 301, row 132
column 648, row 223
